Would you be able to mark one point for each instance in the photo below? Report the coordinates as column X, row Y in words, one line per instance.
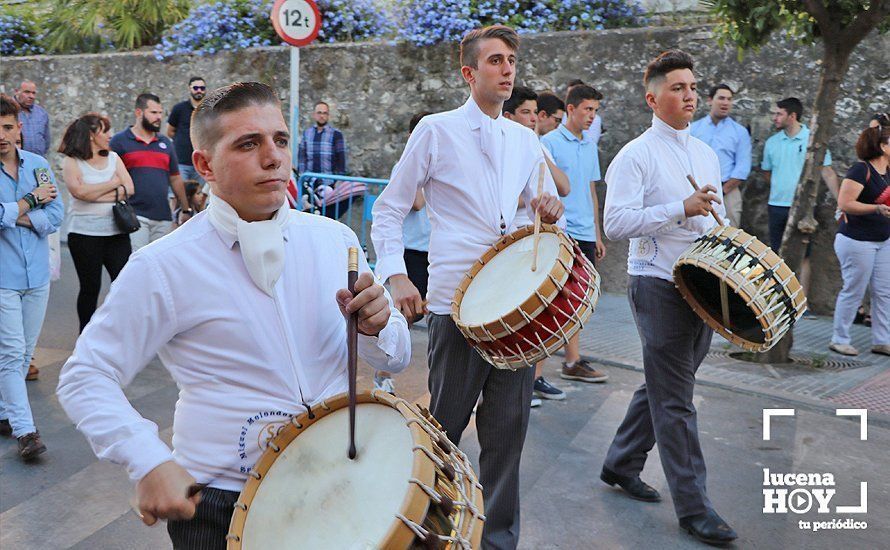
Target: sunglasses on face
column 199, row 88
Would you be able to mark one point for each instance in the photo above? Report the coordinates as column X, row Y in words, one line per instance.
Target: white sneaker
column 384, row 383
column 536, row 402
column 844, row 349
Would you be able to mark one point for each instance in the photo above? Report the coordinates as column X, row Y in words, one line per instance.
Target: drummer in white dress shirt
column 473, row 165
column 245, row 306
column 650, row 201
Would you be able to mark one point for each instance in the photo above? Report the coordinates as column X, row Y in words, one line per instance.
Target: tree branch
column 820, row 13
column 866, row 22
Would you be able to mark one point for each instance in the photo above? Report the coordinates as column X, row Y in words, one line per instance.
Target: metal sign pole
column 294, row 100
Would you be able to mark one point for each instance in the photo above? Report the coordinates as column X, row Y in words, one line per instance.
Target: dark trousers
column 675, row 341
column 208, row 529
column 417, row 265
column 90, row 253
column 778, row 218
column 457, row 376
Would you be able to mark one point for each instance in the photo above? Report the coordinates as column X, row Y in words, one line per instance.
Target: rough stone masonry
column 374, row 88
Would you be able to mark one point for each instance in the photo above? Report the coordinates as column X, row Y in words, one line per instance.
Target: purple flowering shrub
column 429, row 22
column 19, row 36
column 227, row 25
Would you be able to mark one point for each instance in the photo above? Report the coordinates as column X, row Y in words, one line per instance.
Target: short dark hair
column 520, row 95
column 581, row 93
column 320, row 102
column 225, row 100
column 143, row 99
column 791, row 105
column 550, row 103
column 415, row 120
column 575, row 82
column 722, row 86
column 469, row 44
column 197, row 78
column 9, row 106
column 868, row 146
column 76, row 139
column 666, row 62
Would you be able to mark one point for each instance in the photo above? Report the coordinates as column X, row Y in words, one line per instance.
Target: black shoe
column 709, row 528
column 5, row 428
column 633, row 486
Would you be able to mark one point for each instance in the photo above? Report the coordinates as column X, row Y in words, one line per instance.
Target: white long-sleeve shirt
column 472, row 169
column 244, row 361
column 646, row 186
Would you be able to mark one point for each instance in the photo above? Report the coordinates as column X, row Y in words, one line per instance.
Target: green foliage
column 94, row 25
column 748, row 23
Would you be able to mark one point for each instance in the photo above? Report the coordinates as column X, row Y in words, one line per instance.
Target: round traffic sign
column 297, row 22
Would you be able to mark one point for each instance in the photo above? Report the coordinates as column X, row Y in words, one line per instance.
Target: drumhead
column 313, row 496
column 507, row 279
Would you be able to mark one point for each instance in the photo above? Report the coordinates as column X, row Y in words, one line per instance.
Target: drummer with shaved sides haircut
column 473, row 165
column 249, row 348
column 650, row 201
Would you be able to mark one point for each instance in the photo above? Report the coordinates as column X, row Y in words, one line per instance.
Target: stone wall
column 374, row 88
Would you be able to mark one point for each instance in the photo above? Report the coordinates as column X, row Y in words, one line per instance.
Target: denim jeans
column 188, row 172
column 21, row 317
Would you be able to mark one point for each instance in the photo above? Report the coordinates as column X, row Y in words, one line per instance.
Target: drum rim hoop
column 414, row 504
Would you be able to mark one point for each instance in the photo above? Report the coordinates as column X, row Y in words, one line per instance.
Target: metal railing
column 310, row 198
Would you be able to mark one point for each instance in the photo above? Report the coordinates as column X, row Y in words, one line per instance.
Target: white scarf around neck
column 261, row 243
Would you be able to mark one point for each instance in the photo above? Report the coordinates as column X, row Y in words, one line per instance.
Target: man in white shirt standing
column 650, row 202
column 250, row 347
column 473, row 165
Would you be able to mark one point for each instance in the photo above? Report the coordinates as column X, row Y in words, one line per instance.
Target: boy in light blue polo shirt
column 576, row 155
column 784, row 155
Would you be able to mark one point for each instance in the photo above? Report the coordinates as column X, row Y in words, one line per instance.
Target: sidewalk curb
column 812, row 405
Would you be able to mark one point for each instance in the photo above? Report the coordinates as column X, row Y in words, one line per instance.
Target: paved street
column 68, row 499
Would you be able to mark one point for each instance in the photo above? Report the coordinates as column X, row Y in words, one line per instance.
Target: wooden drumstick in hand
column 538, row 218
column 695, row 186
column 352, row 347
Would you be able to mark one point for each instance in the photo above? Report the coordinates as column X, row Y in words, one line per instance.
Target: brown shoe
column 5, row 428
column 33, row 373
column 30, row 446
column 581, row 370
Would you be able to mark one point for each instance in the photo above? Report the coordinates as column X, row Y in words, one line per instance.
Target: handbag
column 124, row 215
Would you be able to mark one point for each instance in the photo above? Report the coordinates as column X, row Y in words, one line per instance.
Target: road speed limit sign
column 297, row 22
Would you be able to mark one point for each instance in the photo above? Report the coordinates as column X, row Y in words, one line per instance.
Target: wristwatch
column 190, row 212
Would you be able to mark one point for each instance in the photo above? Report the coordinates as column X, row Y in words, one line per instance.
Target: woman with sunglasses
column 862, row 243
column 179, row 126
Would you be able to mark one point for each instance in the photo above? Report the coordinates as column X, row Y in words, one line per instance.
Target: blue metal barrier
column 311, row 199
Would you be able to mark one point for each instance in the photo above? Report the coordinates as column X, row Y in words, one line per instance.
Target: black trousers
column 417, row 264
column 90, row 253
column 208, row 529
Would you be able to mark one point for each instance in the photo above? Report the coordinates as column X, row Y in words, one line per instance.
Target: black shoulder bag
column 124, row 215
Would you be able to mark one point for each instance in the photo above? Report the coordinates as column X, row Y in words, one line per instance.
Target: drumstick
column 695, row 186
column 538, row 218
column 724, row 293
column 352, row 347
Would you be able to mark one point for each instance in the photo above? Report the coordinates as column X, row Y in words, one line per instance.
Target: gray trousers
column 457, row 376
column 208, row 529
column 675, row 341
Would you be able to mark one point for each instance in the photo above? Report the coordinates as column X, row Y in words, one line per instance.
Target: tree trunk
column 801, row 221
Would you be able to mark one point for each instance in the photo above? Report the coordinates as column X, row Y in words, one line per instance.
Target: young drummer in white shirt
column 650, row 201
column 259, row 338
column 473, row 166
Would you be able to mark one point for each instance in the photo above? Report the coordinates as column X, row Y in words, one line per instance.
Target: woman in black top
column 862, row 243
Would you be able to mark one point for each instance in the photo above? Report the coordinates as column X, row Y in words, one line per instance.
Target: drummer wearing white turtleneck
column 244, row 305
column 650, row 201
